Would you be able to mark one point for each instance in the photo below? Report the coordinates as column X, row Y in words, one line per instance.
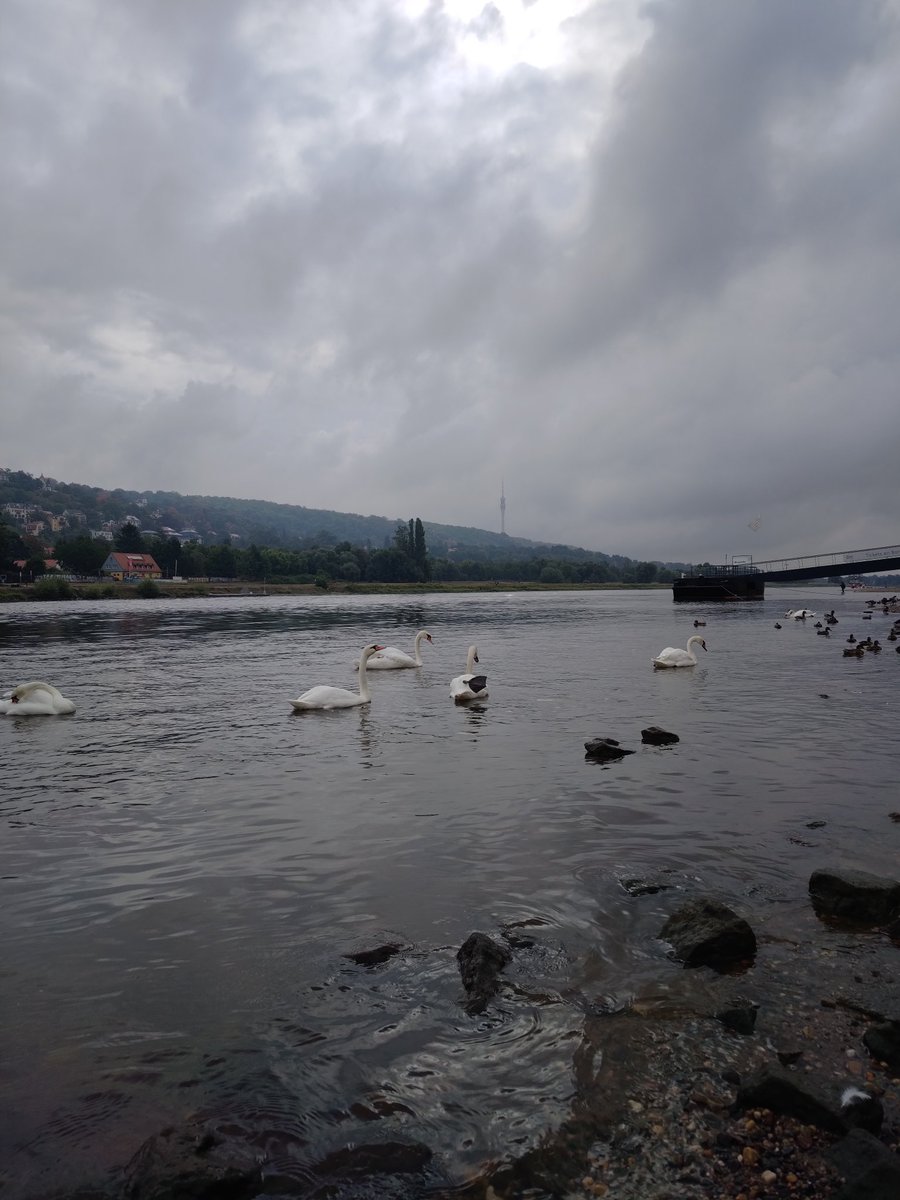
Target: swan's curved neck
column 471, row 659
column 363, row 678
column 418, row 652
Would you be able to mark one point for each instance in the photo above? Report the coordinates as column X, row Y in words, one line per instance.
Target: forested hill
column 246, row 522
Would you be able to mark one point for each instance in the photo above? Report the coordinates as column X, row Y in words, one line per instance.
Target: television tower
column 502, row 509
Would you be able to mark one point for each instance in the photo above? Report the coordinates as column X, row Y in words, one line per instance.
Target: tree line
column 405, row 560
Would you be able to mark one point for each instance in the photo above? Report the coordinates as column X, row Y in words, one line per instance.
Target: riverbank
column 169, row 589
column 756, row 1081
column 766, row 1081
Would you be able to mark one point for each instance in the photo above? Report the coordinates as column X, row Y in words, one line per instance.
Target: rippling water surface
column 186, row 863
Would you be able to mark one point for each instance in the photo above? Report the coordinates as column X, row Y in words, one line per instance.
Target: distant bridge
column 819, row 566
column 746, row 580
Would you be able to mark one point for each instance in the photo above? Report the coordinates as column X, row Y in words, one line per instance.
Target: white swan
column 469, row 686
column 672, row 656
column 392, row 659
column 799, row 614
column 35, row 699
column 325, row 696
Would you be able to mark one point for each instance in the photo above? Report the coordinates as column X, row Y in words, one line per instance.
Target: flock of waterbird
column 43, row 699
column 855, row 647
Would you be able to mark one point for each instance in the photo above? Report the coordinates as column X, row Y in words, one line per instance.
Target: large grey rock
column 855, row 896
column 704, row 932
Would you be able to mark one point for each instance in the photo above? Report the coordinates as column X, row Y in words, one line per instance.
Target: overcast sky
column 638, row 260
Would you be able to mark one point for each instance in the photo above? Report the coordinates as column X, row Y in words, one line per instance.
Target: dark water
column 186, row 862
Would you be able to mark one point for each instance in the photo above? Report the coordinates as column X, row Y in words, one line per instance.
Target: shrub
column 148, row 588
column 49, row 588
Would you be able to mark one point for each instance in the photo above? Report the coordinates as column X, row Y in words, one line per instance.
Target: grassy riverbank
column 59, row 589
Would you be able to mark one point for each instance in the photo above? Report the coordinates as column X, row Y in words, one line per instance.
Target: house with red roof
column 125, row 567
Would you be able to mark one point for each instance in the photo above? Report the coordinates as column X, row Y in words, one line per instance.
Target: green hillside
column 50, row 510
column 216, row 518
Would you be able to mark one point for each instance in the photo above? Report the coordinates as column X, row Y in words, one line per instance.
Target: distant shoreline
column 199, row 588
column 196, row 588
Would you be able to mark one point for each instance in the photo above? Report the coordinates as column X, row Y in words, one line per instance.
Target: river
column 187, row 863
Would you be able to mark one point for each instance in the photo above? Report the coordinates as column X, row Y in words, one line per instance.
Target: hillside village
column 78, row 530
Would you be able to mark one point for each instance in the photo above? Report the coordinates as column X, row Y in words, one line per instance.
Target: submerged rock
column 191, row 1163
column 375, row 1158
column 644, row 887
column 739, row 1018
column 704, row 932
column 375, row 957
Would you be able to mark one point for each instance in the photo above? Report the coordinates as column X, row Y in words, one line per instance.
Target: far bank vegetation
column 321, row 561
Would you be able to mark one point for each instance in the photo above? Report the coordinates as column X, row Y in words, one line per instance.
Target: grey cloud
column 303, row 254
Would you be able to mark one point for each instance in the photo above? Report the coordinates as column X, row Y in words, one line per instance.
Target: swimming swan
column 324, row 696
column 672, row 656
column 392, row 659
column 469, row 686
column 35, row 699
column 799, row 614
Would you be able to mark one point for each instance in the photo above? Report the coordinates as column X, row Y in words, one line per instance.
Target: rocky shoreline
column 772, row 1075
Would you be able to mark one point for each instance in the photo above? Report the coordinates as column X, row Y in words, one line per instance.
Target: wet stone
column 480, row 962
column 855, row 896
column 604, row 749
column 883, row 1041
column 375, row 957
column 654, row 736
column 704, row 932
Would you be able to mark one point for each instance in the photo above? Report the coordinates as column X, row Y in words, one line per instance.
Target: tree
column 166, row 552
column 84, row 555
column 254, row 564
column 11, row 545
column 420, row 550
column 129, row 539
column 220, row 561
column 391, row 566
